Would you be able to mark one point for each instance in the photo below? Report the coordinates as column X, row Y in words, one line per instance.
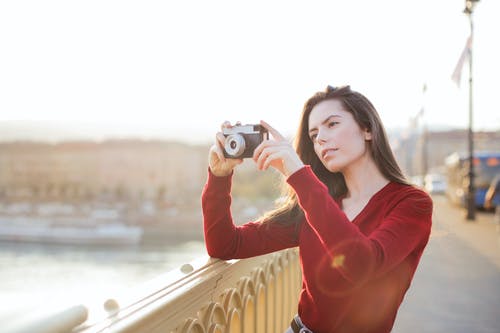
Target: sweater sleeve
column 225, row 240
column 404, row 229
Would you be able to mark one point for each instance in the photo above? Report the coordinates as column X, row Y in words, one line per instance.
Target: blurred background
column 108, row 109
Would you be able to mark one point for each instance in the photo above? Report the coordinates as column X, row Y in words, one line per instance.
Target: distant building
column 423, row 152
column 112, row 170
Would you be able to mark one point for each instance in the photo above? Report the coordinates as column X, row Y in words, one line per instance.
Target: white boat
column 41, row 230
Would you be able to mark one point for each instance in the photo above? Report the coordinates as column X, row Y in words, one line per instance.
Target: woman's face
column 338, row 140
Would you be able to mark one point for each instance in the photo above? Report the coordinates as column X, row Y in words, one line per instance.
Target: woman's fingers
column 277, row 135
column 227, row 124
column 220, row 138
column 266, row 151
column 215, row 157
column 260, row 148
column 276, row 156
column 267, row 144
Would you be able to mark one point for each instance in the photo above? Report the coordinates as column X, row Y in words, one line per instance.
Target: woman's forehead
column 326, row 109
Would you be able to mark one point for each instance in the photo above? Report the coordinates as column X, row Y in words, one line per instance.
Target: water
column 34, row 274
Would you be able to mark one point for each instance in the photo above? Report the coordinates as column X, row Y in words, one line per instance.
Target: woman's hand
column 219, row 165
column 277, row 153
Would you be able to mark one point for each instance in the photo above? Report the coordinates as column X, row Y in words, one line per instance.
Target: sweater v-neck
column 375, row 196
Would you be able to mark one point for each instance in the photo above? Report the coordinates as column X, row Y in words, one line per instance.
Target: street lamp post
column 471, row 202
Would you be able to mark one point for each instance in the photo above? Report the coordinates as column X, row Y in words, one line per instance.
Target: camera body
column 241, row 140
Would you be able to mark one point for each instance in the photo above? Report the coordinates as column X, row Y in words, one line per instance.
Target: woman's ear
column 368, row 135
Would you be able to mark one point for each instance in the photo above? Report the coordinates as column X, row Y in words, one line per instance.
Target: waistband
column 298, row 327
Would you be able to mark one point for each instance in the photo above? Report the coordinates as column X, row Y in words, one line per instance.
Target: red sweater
column 355, row 274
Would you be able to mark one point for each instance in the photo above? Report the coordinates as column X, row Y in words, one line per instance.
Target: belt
column 298, row 327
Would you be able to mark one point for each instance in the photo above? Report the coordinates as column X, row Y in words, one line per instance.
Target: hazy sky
column 179, row 68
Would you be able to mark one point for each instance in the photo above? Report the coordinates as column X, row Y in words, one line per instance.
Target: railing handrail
column 172, row 300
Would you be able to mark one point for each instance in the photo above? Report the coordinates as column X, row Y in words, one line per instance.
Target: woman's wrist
column 221, row 173
column 293, row 171
column 292, row 165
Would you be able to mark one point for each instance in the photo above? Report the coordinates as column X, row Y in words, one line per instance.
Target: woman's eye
column 313, row 137
column 333, row 123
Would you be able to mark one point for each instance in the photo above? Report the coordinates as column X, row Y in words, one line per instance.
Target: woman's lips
column 328, row 152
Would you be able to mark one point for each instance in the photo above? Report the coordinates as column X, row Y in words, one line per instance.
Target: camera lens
column 234, row 145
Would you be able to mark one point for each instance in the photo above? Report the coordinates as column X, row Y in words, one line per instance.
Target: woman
column 360, row 227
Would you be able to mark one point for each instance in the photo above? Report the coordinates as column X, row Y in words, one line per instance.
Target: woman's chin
column 332, row 167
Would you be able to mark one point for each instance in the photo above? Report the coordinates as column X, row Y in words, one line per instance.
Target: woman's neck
column 363, row 179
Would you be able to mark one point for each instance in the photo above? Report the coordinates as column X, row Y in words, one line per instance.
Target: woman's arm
column 224, row 240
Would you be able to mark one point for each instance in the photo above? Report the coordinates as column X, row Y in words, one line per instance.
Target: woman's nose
column 320, row 138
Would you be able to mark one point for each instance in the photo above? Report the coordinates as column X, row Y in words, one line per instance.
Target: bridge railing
column 208, row 295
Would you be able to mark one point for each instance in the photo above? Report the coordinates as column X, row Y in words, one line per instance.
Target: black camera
column 241, row 140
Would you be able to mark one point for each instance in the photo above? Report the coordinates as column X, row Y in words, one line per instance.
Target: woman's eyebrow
column 325, row 121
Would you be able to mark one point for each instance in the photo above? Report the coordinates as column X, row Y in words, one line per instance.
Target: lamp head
column 469, row 6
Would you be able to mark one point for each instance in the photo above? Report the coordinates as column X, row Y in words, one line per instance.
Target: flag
column 457, row 73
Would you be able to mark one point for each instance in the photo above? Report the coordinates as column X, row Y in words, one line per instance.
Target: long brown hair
column 365, row 115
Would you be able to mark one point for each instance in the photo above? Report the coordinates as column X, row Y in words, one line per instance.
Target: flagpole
column 471, row 202
column 425, row 135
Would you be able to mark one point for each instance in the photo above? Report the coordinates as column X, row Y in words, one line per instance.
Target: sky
column 178, row 69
